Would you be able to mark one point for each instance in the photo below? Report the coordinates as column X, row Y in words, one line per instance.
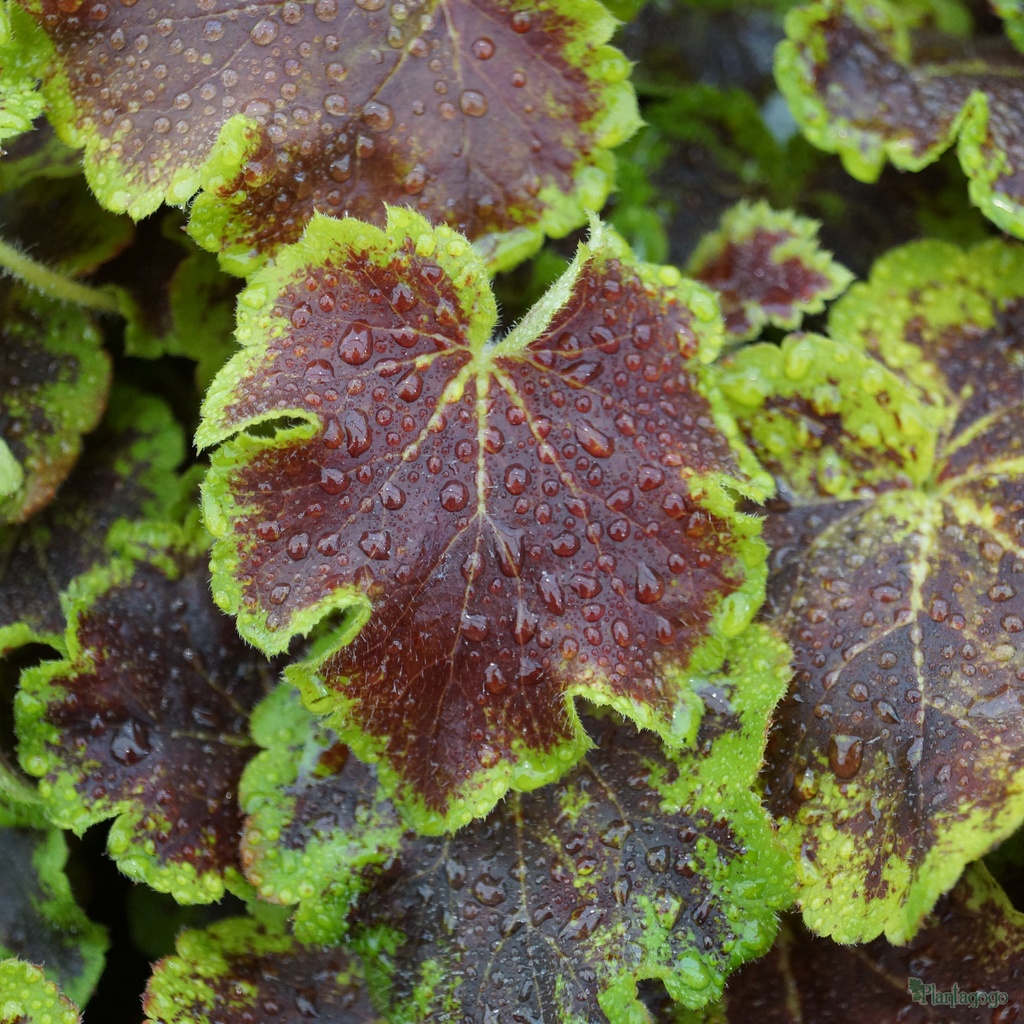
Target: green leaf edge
column 27, row 997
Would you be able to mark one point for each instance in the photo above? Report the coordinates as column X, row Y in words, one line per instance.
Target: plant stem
column 55, row 284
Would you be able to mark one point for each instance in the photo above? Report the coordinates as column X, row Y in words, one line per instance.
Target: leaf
column 899, row 755
column 40, row 922
column 857, row 88
column 317, row 822
column 541, row 517
column 54, row 380
column 20, row 99
column 26, row 997
column 1012, row 11
column 146, row 720
column 241, row 970
column 804, row 978
column 767, row 269
column 637, row 865
column 125, row 474
column 492, row 115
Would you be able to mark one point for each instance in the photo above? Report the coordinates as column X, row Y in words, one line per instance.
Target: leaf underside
column 108, row 736
column 897, row 578
column 857, row 88
column 491, row 115
column 535, row 518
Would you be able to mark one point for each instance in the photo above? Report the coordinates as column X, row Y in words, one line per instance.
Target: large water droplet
column 845, row 754
column 454, row 496
column 264, row 32
column 131, row 743
column 482, row 48
column 378, row 117
column 593, row 441
column 473, row 103
column 489, row 891
column 474, row 627
column 358, row 435
column 376, row 544
column 356, row 345
column 551, row 593
column 649, row 585
column 566, row 545
column 298, row 546
column 517, row 479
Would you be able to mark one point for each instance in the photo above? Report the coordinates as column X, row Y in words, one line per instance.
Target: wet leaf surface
column 29, row 998
column 486, row 114
column 767, row 268
column 897, row 565
column 862, row 85
column 242, row 970
column 147, row 720
column 54, row 380
column 317, row 824
column 807, row 980
column 125, row 474
column 637, row 865
column 534, row 518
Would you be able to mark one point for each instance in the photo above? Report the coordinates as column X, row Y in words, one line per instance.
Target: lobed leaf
column 767, row 268
column 125, row 474
column 318, row 826
column 146, row 719
column 242, row 969
column 638, row 865
column 803, row 979
column 897, row 757
column 54, row 379
column 40, row 922
column 858, row 87
column 27, row 997
column 546, row 516
column 494, row 116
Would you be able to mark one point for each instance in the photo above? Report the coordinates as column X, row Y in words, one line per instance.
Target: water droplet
column 649, row 585
column 474, row 627
column 620, row 633
column 1001, row 592
column 938, row 610
column 521, row 22
column 616, row 833
column 620, row 500
column 885, row 711
column 415, row 180
column 566, row 545
column 378, row 117
column 392, row 496
column 454, row 496
column 483, row 48
column 455, row 872
column 844, row 755
column 472, row 103
column 488, row 758
column 131, row 743
column 298, row 546
column 517, row 479
column 376, row 544
column 886, row 593
column 264, row 32
column 551, row 593
column 356, row 345
column 358, row 435
column 524, row 628
column 335, row 104
column 990, row 551
column 489, row 891
column 581, row 924
column 593, row 441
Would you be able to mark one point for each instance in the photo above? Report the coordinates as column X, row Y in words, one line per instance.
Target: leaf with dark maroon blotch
column 637, row 865
column 506, row 524
column 126, row 473
column 859, row 86
column 898, row 577
column 317, row 825
column 54, row 379
column 970, row 948
column 767, row 268
column 147, row 719
column 243, row 969
column 495, row 116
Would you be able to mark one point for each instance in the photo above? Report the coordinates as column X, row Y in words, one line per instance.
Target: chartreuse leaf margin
column 896, row 760
column 28, row 997
column 434, row 325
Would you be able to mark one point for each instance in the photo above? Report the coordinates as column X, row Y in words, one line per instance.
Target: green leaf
column 54, row 380
column 964, row 965
column 638, row 865
column 20, row 61
column 857, row 88
column 767, row 268
column 546, row 516
column 317, row 822
column 146, row 719
column 126, row 474
column 1012, row 12
column 896, row 577
column 495, row 116
column 241, row 969
column 27, row 997
column 39, row 919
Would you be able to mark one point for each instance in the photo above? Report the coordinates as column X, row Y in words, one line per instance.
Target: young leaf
column 523, row 521
column 857, row 88
column 125, row 474
column 492, row 115
column 637, row 865
column 317, row 822
column 241, row 969
column 803, row 979
column 39, row 919
column 767, row 268
column 53, row 386
column 27, row 997
column 146, row 720
column 899, row 446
